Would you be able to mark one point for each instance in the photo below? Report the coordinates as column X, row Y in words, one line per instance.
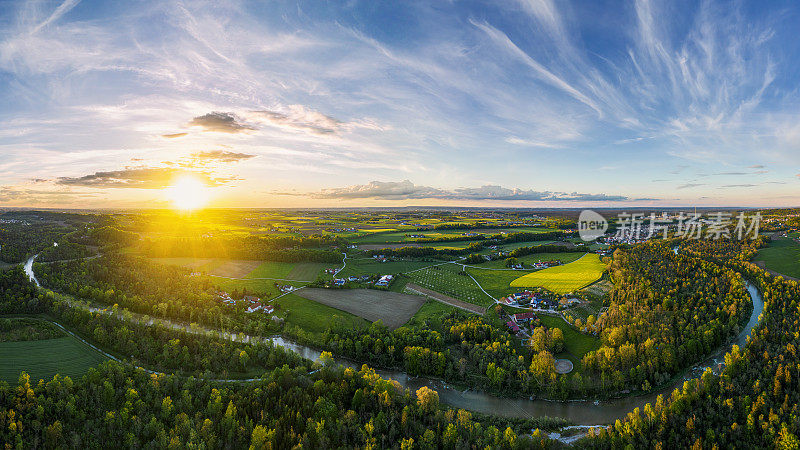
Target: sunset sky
column 530, row 103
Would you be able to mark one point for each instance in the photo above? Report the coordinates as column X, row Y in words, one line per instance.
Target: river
column 580, row 412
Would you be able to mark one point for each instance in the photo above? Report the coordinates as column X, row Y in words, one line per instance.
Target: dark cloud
column 731, row 173
column 756, row 166
column 736, row 185
column 174, row 135
column 221, row 155
column 690, row 185
column 221, row 122
column 139, row 178
column 405, row 190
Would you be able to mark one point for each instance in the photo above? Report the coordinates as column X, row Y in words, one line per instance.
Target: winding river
column 580, row 412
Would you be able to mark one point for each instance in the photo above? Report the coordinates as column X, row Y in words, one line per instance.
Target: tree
column 428, row 400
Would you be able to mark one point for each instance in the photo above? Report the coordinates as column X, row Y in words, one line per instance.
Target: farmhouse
column 512, row 326
column 524, row 317
column 384, row 280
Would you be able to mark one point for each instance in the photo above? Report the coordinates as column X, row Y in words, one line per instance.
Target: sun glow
column 188, row 193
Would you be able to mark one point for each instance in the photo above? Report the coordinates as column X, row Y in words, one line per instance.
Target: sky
column 520, row 103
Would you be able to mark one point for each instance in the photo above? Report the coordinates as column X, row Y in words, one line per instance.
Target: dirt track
column 446, row 299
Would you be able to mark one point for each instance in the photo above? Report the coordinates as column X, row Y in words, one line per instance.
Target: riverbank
column 579, row 412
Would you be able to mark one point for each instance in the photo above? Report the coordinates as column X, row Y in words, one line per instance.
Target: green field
column 44, row 358
column 291, row 271
column 431, row 310
column 447, row 280
column 564, row 257
column 271, row 269
column 496, row 282
column 576, row 344
column 566, row 278
column 311, row 271
column 314, row 317
column 782, row 256
column 368, row 266
column 402, row 236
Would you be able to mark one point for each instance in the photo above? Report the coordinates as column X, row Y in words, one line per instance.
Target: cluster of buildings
column 380, row 258
column 342, row 230
column 546, row 264
column 251, row 303
column 520, row 319
column 528, row 299
column 383, row 281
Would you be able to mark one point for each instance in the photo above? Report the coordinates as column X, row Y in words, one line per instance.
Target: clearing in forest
column 42, row 359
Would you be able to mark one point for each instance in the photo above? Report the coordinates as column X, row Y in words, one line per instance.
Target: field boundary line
column 447, row 300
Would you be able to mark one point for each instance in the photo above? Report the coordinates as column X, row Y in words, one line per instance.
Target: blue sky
column 518, row 103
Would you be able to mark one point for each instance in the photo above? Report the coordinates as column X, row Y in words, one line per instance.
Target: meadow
column 566, row 278
column 782, row 256
column 576, row 344
column 42, row 359
column 431, row 310
column 315, row 317
column 360, row 265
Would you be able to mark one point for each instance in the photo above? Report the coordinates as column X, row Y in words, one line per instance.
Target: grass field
column 44, row 358
column 782, row 256
column 271, row 269
column 446, row 279
column 313, row 316
column 566, row 278
column 310, row 271
column 393, row 308
column 236, row 268
column 431, row 310
column 368, row 266
column 496, row 282
column 576, row 344
column 564, row 257
column 401, row 236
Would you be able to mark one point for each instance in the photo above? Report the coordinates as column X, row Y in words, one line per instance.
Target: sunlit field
column 566, row 278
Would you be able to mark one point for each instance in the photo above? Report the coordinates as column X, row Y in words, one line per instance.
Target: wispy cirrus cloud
column 221, row 155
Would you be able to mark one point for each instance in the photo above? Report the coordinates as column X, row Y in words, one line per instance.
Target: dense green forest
column 667, row 311
column 136, row 284
column 753, row 403
column 293, row 403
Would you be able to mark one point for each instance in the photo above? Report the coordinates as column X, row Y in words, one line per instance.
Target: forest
column 292, row 403
column 752, row 403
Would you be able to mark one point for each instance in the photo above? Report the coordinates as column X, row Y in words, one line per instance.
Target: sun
column 188, row 193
